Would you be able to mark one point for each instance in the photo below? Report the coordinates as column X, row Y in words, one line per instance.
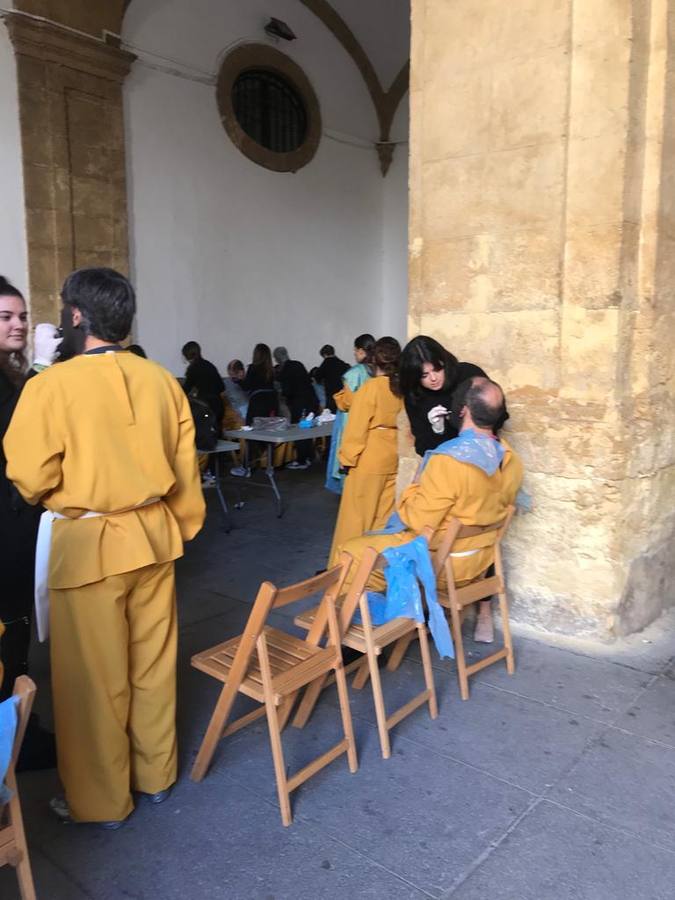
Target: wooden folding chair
column 271, row 666
column 458, row 598
column 13, row 847
column 371, row 641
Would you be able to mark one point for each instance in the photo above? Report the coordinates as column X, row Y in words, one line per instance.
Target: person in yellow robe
column 369, row 450
column 451, row 486
column 106, row 443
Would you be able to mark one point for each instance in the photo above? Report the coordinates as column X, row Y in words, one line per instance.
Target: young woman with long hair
column 263, row 399
column 18, row 529
column 18, row 521
column 369, row 452
column 352, row 380
column 429, row 376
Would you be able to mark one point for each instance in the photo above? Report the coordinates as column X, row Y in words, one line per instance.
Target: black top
column 329, row 374
column 202, row 379
column 18, row 527
column 297, row 388
column 203, row 376
column 418, row 408
column 262, row 396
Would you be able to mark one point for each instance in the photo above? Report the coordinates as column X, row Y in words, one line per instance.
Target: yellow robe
column 449, row 488
column 369, row 451
column 106, row 433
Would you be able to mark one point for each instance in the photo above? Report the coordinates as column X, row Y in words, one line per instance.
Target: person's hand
column 436, row 417
column 46, row 345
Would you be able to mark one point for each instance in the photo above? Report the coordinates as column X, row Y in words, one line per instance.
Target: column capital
column 51, row 43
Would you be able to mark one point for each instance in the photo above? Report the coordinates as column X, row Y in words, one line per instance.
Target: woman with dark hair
column 18, row 520
column 369, row 453
column 18, row 528
column 263, row 399
column 429, row 375
column 351, row 381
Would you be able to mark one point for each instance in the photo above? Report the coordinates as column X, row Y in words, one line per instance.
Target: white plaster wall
column 13, row 250
column 228, row 253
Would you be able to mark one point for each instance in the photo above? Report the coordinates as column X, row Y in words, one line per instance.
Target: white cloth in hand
column 436, row 417
column 47, row 340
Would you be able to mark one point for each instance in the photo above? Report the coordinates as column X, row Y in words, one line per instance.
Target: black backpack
column 206, row 430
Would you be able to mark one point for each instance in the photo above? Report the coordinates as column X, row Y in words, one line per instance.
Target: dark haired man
column 299, row 394
column 105, row 441
column 473, row 477
column 330, row 373
column 202, row 379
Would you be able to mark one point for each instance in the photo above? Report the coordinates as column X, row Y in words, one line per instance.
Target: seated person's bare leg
column 484, row 632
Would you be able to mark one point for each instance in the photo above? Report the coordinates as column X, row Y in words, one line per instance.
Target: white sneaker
column 297, row 465
column 240, row 472
column 208, row 480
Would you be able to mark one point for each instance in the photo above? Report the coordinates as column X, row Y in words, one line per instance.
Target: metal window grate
column 269, row 110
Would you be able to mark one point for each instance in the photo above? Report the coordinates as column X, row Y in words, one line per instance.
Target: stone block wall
column 542, row 163
column 72, row 131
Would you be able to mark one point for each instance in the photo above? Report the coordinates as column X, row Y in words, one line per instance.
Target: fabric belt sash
column 43, row 552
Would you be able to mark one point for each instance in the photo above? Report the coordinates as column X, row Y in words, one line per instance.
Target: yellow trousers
column 366, row 504
column 113, row 656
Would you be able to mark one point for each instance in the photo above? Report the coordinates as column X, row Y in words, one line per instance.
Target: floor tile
column 554, row 854
column 627, row 782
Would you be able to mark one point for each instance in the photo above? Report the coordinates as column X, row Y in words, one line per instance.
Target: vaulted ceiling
column 375, row 34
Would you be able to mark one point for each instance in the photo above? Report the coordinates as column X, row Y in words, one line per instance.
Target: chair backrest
column 270, row 597
column 455, row 531
column 371, row 561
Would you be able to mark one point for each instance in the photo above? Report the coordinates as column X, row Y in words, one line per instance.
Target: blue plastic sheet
column 8, row 723
column 407, row 566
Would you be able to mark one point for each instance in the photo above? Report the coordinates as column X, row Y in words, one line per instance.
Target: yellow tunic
column 449, row 488
column 105, row 433
column 369, row 451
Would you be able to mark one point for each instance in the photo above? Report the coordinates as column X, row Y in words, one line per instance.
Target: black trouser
column 303, row 451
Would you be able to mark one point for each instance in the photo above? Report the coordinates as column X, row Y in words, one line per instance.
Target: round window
column 270, row 110
column 268, row 107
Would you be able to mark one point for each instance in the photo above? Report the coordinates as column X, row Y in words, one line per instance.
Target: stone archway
column 71, row 68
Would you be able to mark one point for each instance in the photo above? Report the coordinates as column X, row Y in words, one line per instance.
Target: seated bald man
column 474, row 477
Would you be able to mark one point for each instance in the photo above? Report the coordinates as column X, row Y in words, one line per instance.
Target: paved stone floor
column 558, row 782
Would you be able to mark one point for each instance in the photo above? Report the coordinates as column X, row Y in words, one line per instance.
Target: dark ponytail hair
column 365, row 342
column 14, row 364
column 387, row 357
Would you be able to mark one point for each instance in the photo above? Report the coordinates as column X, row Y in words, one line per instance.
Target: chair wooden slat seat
column 355, row 636
column 271, row 666
column 287, row 653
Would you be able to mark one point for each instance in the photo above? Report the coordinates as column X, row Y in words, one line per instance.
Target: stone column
column 542, row 247
column 72, row 130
